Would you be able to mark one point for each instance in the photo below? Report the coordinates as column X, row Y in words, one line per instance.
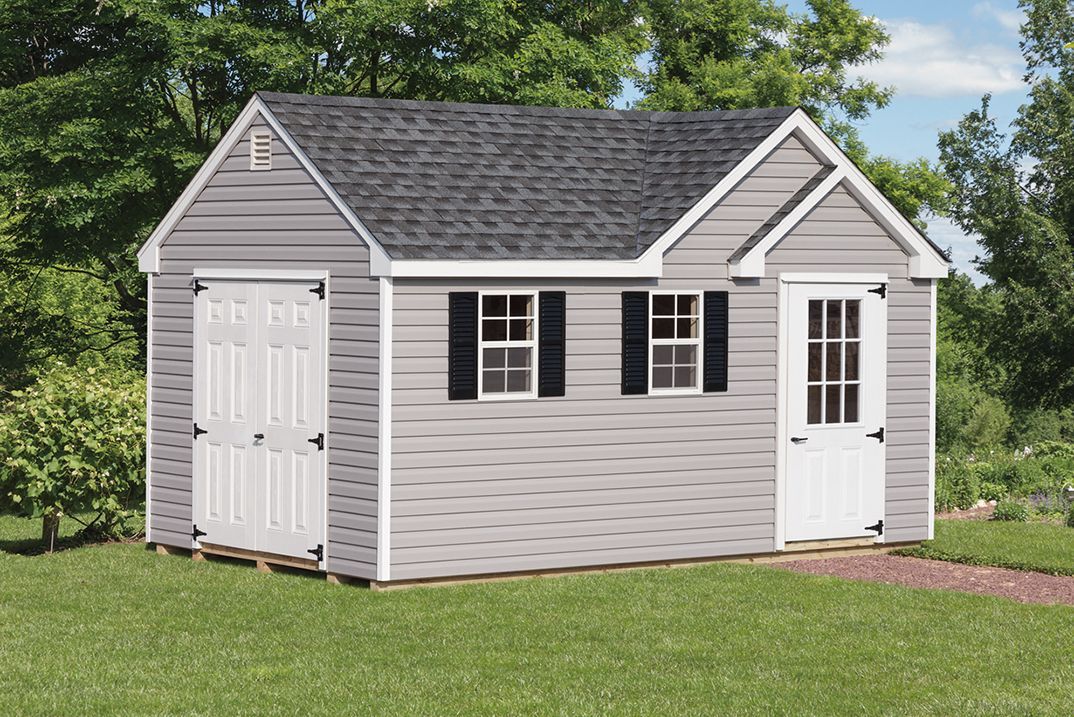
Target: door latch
column 878, row 527
column 318, row 553
column 878, row 435
column 798, row 439
column 259, row 436
column 318, row 441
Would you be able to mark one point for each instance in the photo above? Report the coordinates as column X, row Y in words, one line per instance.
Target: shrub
column 957, row 485
column 1012, row 511
column 993, row 491
column 74, row 442
column 1053, row 449
column 1070, row 516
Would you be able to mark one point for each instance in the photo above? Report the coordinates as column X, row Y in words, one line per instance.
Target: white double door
column 259, row 396
column 836, row 387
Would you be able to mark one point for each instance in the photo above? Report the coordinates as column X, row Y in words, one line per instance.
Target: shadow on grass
column 22, row 536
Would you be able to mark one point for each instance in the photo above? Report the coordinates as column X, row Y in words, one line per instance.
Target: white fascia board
column 243, row 274
column 650, row 266
column 925, row 262
column 149, row 254
column 752, row 265
column 832, row 277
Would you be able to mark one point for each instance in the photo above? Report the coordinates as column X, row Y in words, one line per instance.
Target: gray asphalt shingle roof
column 436, row 180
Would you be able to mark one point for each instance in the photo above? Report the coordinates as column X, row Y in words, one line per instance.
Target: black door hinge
column 878, row 435
column 197, row 533
column 318, row 441
column 319, row 291
column 881, row 291
column 199, row 287
column 318, row 553
column 198, row 431
column 878, row 527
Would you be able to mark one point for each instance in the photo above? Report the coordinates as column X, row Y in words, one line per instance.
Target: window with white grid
column 833, row 379
column 508, row 332
column 675, row 343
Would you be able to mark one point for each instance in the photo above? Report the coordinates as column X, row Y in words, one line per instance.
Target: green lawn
column 1043, row 547
column 118, row 630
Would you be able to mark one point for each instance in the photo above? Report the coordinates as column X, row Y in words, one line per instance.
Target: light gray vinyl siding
column 840, row 236
column 277, row 219
column 594, row 477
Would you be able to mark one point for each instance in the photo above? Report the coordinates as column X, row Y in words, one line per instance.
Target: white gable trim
column 149, row 254
column 923, row 261
column 752, row 264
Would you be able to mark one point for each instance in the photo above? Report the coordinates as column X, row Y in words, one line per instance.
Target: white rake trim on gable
column 149, row 254
column 752, row 264
column 923, row 262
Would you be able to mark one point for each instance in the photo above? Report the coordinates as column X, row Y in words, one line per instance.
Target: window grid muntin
column 529, row 344
column 824, row 342
column 695, row 341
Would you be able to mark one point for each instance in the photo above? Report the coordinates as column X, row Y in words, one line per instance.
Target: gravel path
column 1024, row 587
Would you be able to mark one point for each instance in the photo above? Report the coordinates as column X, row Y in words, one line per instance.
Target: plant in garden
column 1012, row 511
column 74, row 442
column 957, row 485
column 1070, row 516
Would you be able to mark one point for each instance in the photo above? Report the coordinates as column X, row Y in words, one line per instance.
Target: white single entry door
column 259, row 399
column 836, row 405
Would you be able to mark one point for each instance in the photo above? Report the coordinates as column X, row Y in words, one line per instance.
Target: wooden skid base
column 808, row 552
column 265, row 562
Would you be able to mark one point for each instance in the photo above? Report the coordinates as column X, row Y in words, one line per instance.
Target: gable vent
column 260, row 150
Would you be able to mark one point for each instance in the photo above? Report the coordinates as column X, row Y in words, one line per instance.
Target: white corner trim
column 782, row 342
column 932, row 411
column 752, row 265
column 243, row 274
column 149, row 254
column 149, row 409
column 384, row 435
column 832, row 277
column 326, row 379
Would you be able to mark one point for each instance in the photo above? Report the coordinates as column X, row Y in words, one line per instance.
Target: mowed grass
column 116, row 629
column 1044, row 547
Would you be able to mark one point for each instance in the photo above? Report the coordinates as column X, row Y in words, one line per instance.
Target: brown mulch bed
column 984, row 513
column 1024, row 587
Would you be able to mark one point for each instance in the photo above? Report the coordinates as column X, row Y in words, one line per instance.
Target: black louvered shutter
column 462, row 345
column 715, row 373
column 551, row 343
column 635, row 342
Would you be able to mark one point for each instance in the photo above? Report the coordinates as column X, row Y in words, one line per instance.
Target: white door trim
column 786, row 279
column 269, row 276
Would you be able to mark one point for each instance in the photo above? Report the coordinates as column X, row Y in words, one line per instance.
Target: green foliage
column 1070, row 516
column 957, row 485
column 74, row 442
column 992, row 491
column 1011, row 510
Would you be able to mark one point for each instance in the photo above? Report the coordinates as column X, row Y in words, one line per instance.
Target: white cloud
column 1010, row 20
column 929, row 61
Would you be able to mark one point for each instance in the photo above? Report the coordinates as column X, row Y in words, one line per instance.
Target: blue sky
column 944, row 55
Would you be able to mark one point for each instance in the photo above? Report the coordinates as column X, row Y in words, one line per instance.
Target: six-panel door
column 259, row 477
column 836, row 406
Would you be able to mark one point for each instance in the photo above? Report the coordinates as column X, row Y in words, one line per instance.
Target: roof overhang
column 149, row 254
column 924, row 261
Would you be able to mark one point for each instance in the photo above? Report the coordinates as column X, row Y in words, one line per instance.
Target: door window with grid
column 834, row 376
column 507, row 343
column 676, row 342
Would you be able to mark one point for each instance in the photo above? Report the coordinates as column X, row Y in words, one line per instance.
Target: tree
column 732, row 54
column 107, row 108
column 1016, row 193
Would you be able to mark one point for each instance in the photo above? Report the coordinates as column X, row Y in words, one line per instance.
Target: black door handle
column 798, row 439
column 259, row 436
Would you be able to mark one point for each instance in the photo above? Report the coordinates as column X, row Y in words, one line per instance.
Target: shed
column 404, row 341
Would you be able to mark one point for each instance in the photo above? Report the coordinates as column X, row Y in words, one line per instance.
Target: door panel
column 836, row 394
column 259, row 370
column 224, row 362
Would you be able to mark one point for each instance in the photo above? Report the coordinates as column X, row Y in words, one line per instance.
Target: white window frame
column 482, row 345
column 699, row 342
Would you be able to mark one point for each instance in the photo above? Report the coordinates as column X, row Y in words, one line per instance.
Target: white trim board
column 149, row 410
column 384, row 434
column 932, row 411
column 149, row 253
column 240, row 274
